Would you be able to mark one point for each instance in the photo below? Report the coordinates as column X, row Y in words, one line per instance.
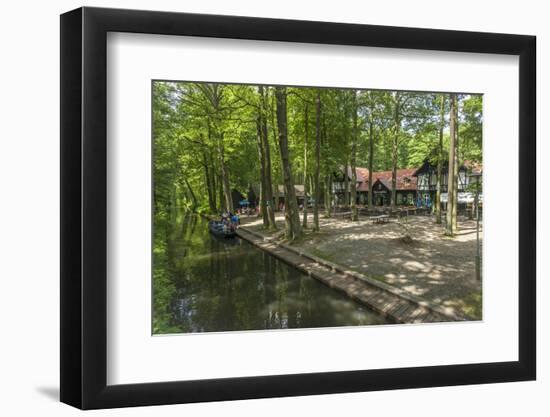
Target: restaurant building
column 413, row 185
column 426, row 177
column 381, row 189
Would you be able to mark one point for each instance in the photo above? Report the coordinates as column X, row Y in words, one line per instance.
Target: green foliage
column 205, row 144
column 470, row 128
column 199, row 126
column 163, row 287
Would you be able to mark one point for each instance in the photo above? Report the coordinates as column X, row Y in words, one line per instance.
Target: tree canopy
column 213, row 140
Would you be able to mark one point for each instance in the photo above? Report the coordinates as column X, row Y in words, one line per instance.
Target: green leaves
column 194, row 123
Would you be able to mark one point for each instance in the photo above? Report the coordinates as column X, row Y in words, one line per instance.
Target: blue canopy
column 244, row 203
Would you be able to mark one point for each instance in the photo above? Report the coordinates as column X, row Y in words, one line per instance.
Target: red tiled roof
column 405, row 178
column 362, row 174
column 362, row 178
column 470, row 166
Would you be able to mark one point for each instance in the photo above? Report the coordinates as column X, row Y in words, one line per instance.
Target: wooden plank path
column 394, row 304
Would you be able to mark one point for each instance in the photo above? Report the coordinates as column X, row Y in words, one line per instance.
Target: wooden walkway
column 394, row 304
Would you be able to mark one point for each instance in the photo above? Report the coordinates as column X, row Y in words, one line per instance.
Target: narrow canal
column 203, row 283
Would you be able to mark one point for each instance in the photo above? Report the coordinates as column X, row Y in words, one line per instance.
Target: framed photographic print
column 256, row 208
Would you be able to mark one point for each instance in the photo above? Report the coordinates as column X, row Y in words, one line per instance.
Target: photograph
column 306, row 219
column 300, row 207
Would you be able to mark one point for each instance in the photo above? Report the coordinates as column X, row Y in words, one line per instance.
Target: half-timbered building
column 413, row 185
column 405, row 187
column 426, row 177
column 382, row 185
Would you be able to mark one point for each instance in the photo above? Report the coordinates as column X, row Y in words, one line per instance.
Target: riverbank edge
column 393, row 303
column 400, row 315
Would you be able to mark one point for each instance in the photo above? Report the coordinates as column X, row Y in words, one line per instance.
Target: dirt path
column 433, row 267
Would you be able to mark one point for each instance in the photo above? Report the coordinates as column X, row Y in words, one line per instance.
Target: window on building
column 462, row 179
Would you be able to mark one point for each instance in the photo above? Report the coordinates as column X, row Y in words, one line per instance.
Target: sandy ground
column 433, row 266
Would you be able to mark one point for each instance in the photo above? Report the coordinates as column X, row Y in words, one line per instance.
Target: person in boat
column 226, row 217
column 235, row 220
column 228, row 224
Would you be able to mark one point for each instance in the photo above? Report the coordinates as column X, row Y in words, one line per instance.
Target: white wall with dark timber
column 29, row 207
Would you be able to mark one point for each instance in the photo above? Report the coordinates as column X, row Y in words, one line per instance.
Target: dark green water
column 208, row 284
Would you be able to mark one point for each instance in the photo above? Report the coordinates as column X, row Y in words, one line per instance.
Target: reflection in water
column 205, row 284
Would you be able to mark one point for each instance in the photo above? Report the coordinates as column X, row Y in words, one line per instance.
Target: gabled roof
column 362, row 174
column 362, row 178
column 472, row 166
column 405, row 180
column 384, row 183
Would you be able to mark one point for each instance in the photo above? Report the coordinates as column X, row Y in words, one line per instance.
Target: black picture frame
column 84, row 207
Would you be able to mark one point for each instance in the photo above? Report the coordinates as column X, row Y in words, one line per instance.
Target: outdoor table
column 384, row 218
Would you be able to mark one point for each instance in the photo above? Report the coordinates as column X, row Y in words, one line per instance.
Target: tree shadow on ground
column 433, row 266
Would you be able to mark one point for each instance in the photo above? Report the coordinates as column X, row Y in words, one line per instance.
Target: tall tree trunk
column 371, row 157
column 306, row 137
column 292, row 216
column 220, row 192
column 211, row 162
column 316, row 190
column 354, row 213
column 268, row 191
column 213, row 179
column 261, row 156
column 311, row 186
column 328, row 196
column 455, row 169
column 395, row 144
column 346, row 185
column 172, row 203
column 215, row 95
column 191, row 193
column 437, row 202
column 209, row 189
column 225, row 175
column 450, row 226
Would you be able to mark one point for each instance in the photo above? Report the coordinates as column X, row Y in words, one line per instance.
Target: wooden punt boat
column 217, row 228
